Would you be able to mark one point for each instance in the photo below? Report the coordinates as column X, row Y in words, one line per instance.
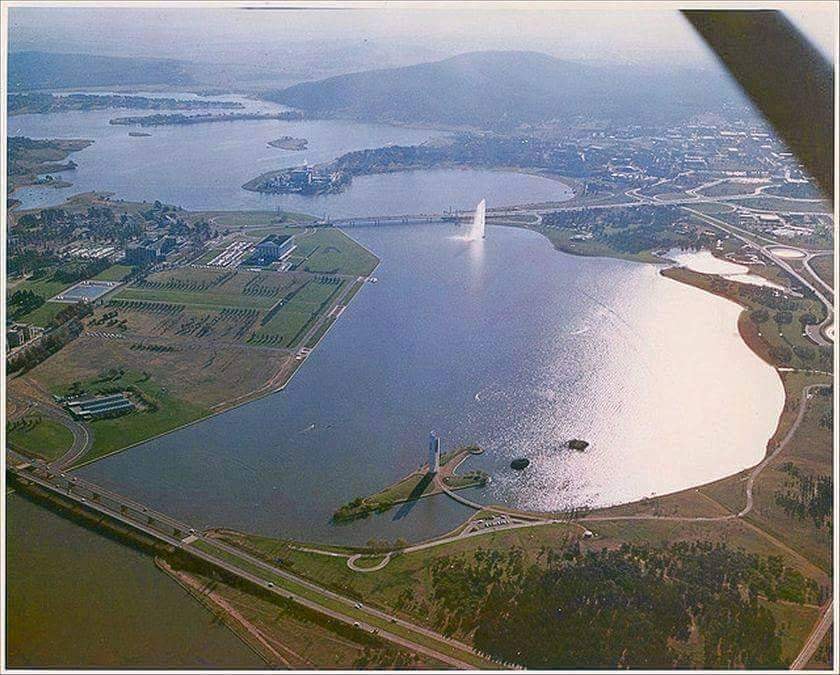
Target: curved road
column 82, row 437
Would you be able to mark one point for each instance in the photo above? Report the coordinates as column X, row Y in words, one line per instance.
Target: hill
column 47, row 70
column 497, row 90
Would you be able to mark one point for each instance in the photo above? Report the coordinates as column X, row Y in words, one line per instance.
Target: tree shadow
column 416, row 493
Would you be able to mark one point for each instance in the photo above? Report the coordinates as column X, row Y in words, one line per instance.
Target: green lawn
column 344, row 608
column 46, row 287
column 114, row 273
column 119, row 432
column 196, row 299
column 287, row 326
column 40, row 437
column 330, row 251
column 42, row 315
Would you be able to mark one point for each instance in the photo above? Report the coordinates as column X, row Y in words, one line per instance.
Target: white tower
column 434, row 452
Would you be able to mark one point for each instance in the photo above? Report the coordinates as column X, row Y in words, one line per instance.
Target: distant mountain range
column 498, row 90
column 47, row 70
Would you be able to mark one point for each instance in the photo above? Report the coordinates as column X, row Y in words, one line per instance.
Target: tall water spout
column 477, row 230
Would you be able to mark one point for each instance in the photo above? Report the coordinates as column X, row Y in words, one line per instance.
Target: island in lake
column 289, row 143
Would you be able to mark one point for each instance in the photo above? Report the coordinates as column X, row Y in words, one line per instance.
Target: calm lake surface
column 506, row 343
column 204, row 166
column 77, row 599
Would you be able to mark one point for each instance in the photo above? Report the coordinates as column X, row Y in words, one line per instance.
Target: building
column 100, row 406
column 149, row 251
column 434, row 452
column 274, row 247
column 140, row 255
column 18, row 334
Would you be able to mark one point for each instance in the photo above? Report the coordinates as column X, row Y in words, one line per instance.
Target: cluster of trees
column 807, row 496
column 22, row 302
column 630, row 230
column 634, row 607
column 39, row 351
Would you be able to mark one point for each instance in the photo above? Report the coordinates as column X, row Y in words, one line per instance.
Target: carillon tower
column 434, row 452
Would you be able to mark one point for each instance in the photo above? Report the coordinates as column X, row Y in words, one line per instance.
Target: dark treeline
column 635, row 607
column 807, row 496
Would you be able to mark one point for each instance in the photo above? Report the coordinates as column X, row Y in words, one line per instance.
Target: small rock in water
column 519, row 464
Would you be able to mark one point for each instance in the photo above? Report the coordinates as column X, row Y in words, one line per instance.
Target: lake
column 204, row 166
column 503, row 342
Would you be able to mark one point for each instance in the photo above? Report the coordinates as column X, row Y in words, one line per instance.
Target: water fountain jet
column 477, row 230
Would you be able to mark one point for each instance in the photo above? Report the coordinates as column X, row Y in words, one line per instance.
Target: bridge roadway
column 181, row 536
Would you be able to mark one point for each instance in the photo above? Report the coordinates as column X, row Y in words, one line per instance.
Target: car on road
column 358, row 605
column 271, row 584
column 356, row 624
column 192, row 530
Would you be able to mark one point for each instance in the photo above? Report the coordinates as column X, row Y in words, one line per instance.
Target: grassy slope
column 46, row 439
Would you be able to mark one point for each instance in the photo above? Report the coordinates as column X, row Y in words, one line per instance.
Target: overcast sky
column 628, row 32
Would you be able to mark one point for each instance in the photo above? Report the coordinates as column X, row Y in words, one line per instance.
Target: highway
column 815, row 333
column 173, row 532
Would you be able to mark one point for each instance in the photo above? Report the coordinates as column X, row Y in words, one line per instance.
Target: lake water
column 506, row 343
column 204, row 166
column 503, row 342
column 77, row 599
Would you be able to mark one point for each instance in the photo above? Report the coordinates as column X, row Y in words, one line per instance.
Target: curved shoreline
column 745, row 329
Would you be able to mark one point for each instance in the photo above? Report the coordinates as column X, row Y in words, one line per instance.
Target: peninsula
column 50, row 103
column 202, row 118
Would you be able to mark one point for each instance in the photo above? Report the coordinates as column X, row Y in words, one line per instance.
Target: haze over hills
column 498, row 90
column 47, row 70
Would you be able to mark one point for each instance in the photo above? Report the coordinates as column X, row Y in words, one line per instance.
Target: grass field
column 39, row 437
column 330, row 251
column 824, row 266
column 286, row 635
column 344, row 608
column 114, row 273
column 285, row 328
column 42, row 315
column 46, row 286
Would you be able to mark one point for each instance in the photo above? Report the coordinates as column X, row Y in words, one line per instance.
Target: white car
column 271, row 584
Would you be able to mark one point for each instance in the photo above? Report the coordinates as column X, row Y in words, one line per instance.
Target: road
column 820, row 629
column 803, row 406
column 815, row 333
column 82, row 437
column 308, row 594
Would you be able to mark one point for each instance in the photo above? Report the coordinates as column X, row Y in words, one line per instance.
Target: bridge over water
column 178, row 535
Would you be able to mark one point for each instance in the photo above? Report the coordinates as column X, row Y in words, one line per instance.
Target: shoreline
column 746, row 331
column 255, row 395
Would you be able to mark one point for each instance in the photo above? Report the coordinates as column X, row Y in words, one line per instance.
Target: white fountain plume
column 477, row 230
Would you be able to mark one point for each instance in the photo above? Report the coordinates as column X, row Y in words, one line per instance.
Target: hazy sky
column 394, row 32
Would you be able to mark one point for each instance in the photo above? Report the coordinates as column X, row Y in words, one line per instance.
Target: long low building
column 274, row 246
column 100, row 406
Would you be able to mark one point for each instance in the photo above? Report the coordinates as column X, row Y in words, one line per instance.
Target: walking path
column 815, row 638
